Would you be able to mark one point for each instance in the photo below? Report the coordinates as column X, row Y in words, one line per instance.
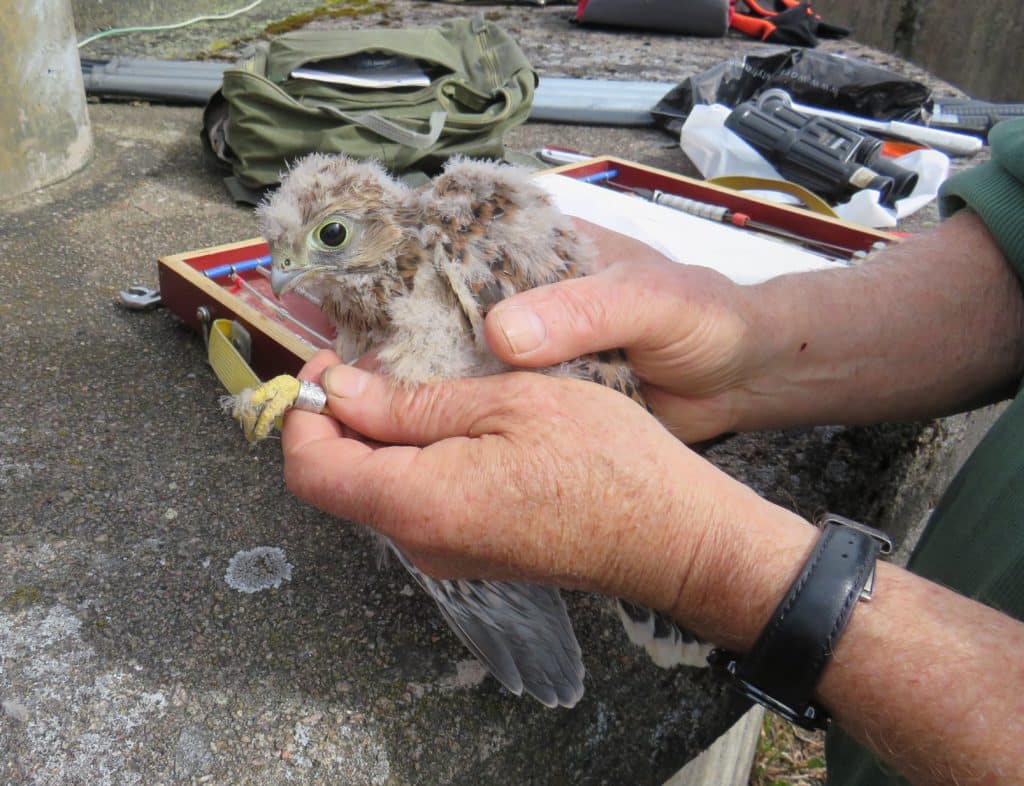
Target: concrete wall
column 975, row 46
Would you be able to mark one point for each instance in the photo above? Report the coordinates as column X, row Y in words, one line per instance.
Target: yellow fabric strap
column 227, row 362
column 233, row 370
column 811, row 201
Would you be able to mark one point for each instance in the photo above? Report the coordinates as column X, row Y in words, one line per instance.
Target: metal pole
column 44, row 126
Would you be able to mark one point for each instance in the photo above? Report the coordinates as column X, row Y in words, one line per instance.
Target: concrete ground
column 125, row 655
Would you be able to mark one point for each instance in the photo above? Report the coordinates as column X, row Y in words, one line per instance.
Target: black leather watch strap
column 784, row 665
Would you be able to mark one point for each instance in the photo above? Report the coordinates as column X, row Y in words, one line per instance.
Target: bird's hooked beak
column 285, row 272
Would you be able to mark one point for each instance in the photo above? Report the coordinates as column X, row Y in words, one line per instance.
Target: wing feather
column 520, row 632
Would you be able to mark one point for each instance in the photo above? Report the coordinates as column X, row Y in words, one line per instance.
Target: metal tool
column 139, row 298
column 724, row 215
column 947, row 141
column 972, row 117
column 282, row 312
column 557, row 156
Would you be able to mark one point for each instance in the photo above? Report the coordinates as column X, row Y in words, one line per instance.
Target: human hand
column 521, row 476
column 838, row 345
column 684, row 328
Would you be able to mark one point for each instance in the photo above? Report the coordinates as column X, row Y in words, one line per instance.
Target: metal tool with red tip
column 720, row 214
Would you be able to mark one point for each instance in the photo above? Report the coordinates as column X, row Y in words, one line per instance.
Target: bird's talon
column 258, row 409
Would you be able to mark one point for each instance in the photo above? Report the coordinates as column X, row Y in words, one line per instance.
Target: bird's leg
column 257, row 409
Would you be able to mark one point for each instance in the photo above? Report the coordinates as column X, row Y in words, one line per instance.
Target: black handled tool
column 827, row 157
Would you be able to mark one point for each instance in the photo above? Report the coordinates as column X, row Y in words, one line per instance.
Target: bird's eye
column 332, row 234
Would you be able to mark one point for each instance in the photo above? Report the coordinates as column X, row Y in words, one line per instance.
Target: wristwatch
column 787, row 660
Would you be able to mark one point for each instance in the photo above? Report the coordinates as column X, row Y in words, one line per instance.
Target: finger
column 370, row 361
column 418, row 415
column 611, row 246
column 315, row 365
column 622, row 306
column 300, row 426
column 352, row 480
column 404, row 493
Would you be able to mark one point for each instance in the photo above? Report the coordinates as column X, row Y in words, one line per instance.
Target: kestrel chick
column 411, row 274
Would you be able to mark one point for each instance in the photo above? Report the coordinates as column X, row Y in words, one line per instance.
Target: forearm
column 931, row 681
column 928, row 327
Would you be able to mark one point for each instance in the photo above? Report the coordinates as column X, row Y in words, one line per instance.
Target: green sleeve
column 995, row 191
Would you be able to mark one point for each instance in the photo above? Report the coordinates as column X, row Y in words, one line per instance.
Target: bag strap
column 391, row 130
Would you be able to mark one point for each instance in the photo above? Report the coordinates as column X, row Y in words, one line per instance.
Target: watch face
column 811, row 716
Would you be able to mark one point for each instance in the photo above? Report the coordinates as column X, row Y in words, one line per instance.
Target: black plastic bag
column 829, row 81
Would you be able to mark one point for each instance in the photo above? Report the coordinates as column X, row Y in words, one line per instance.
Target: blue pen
column 237, row 267
column 597, row 177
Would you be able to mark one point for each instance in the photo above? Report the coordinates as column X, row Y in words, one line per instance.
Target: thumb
column 388, row 411
column 621, row 306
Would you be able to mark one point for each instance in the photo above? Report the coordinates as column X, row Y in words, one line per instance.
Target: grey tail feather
column 666, row 643
column 520, row 632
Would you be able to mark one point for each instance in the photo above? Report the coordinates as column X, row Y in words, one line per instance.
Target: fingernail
column 345, row 381
column 523, row 329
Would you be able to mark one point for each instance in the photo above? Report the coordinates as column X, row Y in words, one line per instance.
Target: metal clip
column 885, row 545
column 139, row 298
column 242, row 341
column 206, row 321
column 239, row 337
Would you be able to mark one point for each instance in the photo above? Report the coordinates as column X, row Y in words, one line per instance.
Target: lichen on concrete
column 258, row 569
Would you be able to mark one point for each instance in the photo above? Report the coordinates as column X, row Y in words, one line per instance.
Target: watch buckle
column 869, row 586
column 883, row 540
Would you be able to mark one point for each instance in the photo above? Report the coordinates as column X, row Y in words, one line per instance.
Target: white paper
column 743, row 255
column 367, row 71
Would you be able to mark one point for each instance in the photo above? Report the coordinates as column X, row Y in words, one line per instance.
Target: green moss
column 217, row 46
column 22, row 598
column 329, row 9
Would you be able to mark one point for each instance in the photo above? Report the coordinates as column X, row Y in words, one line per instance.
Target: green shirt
column 974, row 542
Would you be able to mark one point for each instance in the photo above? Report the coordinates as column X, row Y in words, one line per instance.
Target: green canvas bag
column 262, row 118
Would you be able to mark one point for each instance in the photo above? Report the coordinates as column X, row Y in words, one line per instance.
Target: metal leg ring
column 311, row 398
